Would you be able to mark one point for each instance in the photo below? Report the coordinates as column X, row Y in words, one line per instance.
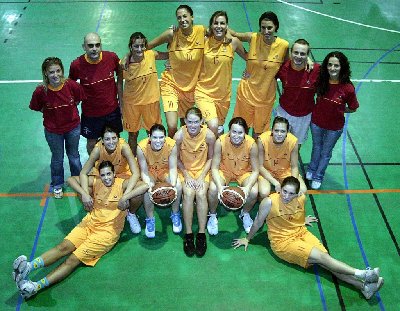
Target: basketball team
column 198, row 161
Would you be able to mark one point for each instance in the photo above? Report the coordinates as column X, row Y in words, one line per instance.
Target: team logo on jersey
column 86, row 130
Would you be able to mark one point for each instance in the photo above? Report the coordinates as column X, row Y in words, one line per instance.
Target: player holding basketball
column 278, row 155
column 95, row 69
column 141, row 93
column 235, row 159
column 185, row 47
column 93, row 237
column 291, row 241
column 213, row 89
column 195, row 144
column 157, row 157
column 114, row 149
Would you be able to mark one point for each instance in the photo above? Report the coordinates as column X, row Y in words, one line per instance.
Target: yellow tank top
column 277, row 156
column 120, row 163
column 285, row 220
column 141, row 81
column 193, row 151
column 157, row 160
column 215, row 78
column 236, row 160
column 185, row 56
column 262, row 64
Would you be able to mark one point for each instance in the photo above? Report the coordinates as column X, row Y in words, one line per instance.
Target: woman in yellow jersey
column 195, row 143
column 278, row 155
column 157, row 157
column 114, row 149
column 185, row 47
column 257, row 89
column 213, row 89
column 292, row 242
column 235, row 159
column 141, row 94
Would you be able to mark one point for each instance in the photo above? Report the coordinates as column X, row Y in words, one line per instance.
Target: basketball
column 232, row 198
column 163, row 194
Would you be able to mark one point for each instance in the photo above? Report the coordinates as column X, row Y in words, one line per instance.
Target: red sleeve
column 77, row 91
column 37, row 101
column 352, row 101
column 73, row 70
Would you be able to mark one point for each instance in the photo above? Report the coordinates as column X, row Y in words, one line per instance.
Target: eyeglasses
column 91, row 45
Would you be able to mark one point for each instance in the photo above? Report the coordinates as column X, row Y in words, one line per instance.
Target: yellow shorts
column 195, row 175
column 211, row 108
column 135, row 117
column 159, row 175
column 92, row 243
column 230, row 177
column 175, row 100
column 278, row 178
column 298, row 249
column 256, row 117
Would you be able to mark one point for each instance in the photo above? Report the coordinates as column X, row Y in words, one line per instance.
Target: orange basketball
column 232, row 198
column 163, row 194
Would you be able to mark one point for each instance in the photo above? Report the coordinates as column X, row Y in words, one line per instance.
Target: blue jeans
column 56, row 144
column 323, row 143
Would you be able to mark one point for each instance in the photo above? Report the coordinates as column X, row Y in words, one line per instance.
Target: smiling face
column 268, row 29
column 219, row 27
column 157, row 140
column 279, row 133
column 193, row 124
column 236, row 134
column 333, row 68
column 54, row 74
column 138, row 47
column 110, row 141
column 185, row 20
column 107, row 176
column 92, row 46
column 299, row 55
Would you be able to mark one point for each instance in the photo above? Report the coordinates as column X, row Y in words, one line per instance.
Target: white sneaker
column 133, row 223
column 369, row 289
column 176, row 222
column 212, row 224
column 58, row 193
column 21, row 268
column 27, row 288
column 371, row 275
column 315, row 185
column 150, row 227
column 247, row 221
column 309, row 176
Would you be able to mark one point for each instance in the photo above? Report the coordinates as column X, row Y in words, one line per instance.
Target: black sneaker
column 201, row 244
column 188, row 244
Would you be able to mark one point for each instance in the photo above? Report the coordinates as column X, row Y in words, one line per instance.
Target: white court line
column 233, row 79
column 338, row 18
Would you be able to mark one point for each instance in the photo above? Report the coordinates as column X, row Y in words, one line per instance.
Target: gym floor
column 357, row 206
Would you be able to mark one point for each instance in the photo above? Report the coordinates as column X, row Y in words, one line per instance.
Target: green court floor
column 358, row 206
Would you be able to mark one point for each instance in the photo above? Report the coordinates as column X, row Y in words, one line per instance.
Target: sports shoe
column 21, row 268
column 247, row 221
column 188, row 244
column 309, row 176
column 58, row 193
column 27, row 288
column 369, row 289
column 133, row 223
column 150, row 227
column 315, row 185
column 371, row 275
column 212, row 224
column 201, row 244
column 176, row 222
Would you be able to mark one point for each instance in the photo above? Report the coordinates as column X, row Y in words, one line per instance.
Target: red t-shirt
column 328, row 113
column 97, row 79
column 59, row 106
column 299, row 87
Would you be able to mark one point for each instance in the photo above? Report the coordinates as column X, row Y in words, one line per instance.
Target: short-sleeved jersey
column 185, row 56
column 60, row 113
column 121, row 165
column 215, row 78
column 263, row 63
column 285, row 221
column 299, row 87
column 277, row 156
column 194, row 150
column 98, row 82
column 141, row 81
column 328, row 113
column 105, row 205
column 236, row 159
column 157, row 160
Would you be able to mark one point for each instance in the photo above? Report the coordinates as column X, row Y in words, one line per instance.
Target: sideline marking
column 338, row 18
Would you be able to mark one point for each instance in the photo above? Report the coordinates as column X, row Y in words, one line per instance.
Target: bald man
column 96, row 70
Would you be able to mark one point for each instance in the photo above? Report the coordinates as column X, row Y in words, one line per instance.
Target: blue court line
column 320, row 289
column 346, row 183
column 101, row 16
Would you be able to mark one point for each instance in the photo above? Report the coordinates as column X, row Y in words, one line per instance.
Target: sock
column 42, row 284
column 359, row 274
column 37, row 263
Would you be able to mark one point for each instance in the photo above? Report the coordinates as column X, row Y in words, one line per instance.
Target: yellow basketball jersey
column 120, row 163
column 194, row 150
column 157, row 160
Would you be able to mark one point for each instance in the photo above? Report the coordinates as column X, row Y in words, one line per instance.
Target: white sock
column 359, row 274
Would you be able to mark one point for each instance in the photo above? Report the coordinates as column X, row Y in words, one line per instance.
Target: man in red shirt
column 96, row 70
column 299, row 87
